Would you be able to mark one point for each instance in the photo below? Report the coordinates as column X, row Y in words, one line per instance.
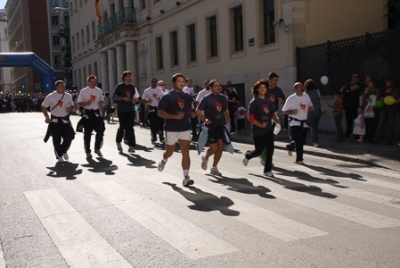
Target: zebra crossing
column 81, row 245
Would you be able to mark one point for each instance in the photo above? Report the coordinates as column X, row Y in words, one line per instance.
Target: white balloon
column 324, row 80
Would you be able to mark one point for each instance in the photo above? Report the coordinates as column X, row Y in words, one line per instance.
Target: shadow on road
column 295, row 186
column 335, row 173
column 138, row 161
column 242, row 185
column 64, row 169
column 205, row 201
column 102, row 165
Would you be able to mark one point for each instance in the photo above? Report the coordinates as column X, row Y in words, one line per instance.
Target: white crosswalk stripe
column 264, row 220
column 2, row 261
column 323, row 205
column 186, row 237
column 77, row 241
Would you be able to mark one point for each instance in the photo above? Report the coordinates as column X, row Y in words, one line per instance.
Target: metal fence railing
column 376, row 55
column 126, row 15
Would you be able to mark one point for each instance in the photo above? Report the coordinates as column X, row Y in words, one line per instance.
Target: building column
column 104, row 72
column 131, row 61
column 112, row 72
column 120, row 60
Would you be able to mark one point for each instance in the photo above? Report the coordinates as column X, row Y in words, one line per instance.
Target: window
column 54, row 3
column 56, row 59
column 144, row 4
column 95, row 68
column 87, row 34
column 77, row 41
column 93, row 30
column 159, row 53
column 73, row 43
column 238, row 28
column 82, row 38
column 269, row 19
column 54, row 20
column 56, row 40
column 191, row 32
column 174, row 48
column 212, row 37
column 66, row 19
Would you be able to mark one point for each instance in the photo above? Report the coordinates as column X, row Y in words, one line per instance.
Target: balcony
column 126, row 15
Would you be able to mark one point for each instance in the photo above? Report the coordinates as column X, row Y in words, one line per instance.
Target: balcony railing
column 126, row 15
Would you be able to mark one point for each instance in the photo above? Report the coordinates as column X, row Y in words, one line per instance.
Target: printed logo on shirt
column 128, row 93
column 272, row 97
column 155, row 95
column 218, row 106
column 93, row 97
column 181, row 103
column 60, row 104
column 303, row 106
column 265, row 108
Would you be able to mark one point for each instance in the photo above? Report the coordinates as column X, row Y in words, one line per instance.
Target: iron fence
column 376, row 55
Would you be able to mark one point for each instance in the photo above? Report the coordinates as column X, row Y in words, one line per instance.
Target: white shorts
column 172, row 137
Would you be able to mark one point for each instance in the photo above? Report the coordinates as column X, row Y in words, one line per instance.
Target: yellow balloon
column 389, row 100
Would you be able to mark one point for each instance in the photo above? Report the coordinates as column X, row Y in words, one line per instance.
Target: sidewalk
column 378, row 155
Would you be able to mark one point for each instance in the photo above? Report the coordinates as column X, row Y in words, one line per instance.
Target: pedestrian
column 351, row 95
column 193, row 121
column 175, row 107
column 338, row 115
column 315, row 115
column 152, row 96
column 107, row 106
column 126, row 95
column 296, row 107
column 91, row 99
column 275, row 93
column 232, row 106
column 61, row 105
column 359, row 125
column 213, row 111
column 261, row 114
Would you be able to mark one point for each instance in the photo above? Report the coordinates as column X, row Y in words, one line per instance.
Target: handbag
column 369, row 111
column 324, row 108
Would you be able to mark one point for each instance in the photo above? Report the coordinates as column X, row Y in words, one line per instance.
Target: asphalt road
column 120, row 211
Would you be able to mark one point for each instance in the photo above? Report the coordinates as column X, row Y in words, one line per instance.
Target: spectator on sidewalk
column 338, row 115
column 351, row 94
column 232, row 106
column 240, row 115
column 387, row 112
column 369, row 98
column 359, row 125
column 315, row 115
column 296, row 107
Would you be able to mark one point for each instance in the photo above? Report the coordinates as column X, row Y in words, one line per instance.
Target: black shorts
column 215, row 134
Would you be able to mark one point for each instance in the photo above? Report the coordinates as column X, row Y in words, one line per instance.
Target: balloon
column 324, row 80
column 389, row 100
column 380, row 104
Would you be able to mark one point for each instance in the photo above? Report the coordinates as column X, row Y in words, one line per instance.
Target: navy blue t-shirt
column 176, row 102
column 123, row 90
column 214, row 107
column 262, row 109
column 274, row 94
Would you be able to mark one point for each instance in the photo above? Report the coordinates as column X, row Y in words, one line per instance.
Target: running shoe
column 161, row 165
column 66, row 157
column 268, row 174
column 119, row 147
column 245, row 161
column 215, row 171
column 88, row 155
column 98, row 152
column 131, row 149
column 187, row 181
column 60, row 159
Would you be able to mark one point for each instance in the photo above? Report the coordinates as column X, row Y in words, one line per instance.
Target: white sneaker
column 299, row 162
column 161, row 165
column 131, row 149
column 204, row 163
column 98, row 153
column 187, row 181
column 245, row 161
column 215, row 171
column 268, row 174
column 60, row 159
column 119, row 147
column 66, row 157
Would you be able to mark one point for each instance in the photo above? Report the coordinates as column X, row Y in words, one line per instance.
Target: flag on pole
column 97, row 6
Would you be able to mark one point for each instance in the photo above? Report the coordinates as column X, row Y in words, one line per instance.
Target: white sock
column 185, row 173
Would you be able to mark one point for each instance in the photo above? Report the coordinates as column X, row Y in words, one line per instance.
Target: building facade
column 5, row 73
column 237, row 40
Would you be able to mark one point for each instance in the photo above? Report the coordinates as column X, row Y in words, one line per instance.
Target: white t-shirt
column 154, row 95
column 60, row 110
column 94, row 94
column 202, row 94
column 190, row 91
column 241, row 112
column 301, row 104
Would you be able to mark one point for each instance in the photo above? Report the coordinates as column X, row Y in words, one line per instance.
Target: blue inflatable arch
column 30, row 59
